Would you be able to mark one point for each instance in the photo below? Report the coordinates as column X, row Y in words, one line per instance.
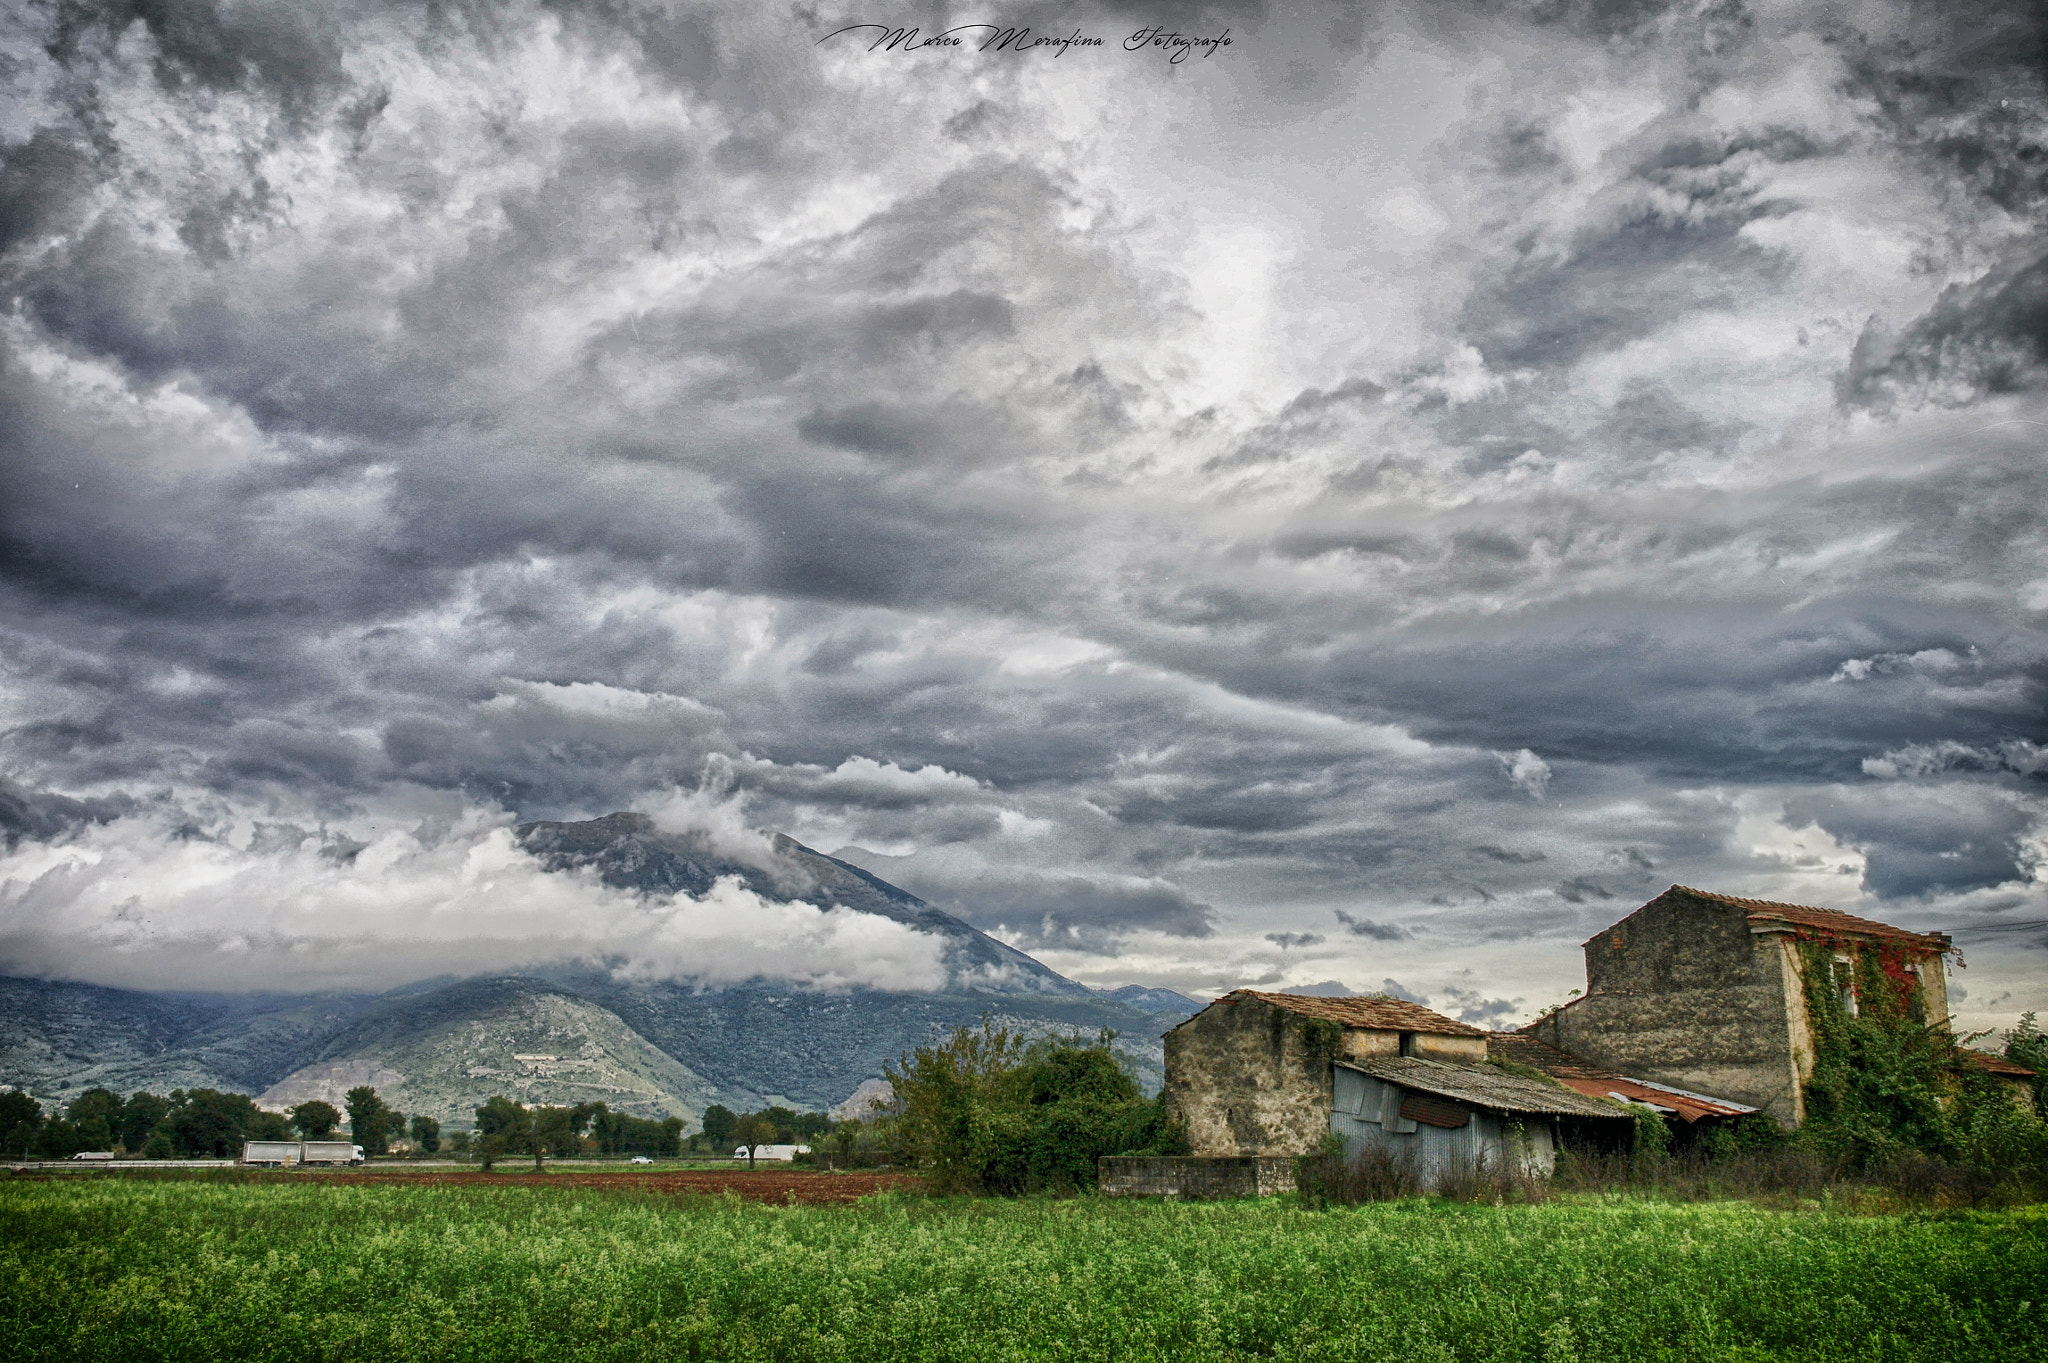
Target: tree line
column 505, row 1127
column 199, row 1123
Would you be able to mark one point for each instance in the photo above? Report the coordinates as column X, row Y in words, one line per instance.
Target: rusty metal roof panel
column 1376, row 1011
column 1484, row 1086
column 1586, row 1077
column 1689, row 1106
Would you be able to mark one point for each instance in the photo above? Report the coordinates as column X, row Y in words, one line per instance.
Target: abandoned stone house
column 1259, row 1076
column 1708, row 992
column 1695, row 1005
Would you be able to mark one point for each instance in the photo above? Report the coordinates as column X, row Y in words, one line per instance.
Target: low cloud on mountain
column 141, row 903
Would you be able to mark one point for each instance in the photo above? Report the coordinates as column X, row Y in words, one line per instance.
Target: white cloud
column 1529, row 773
column 139, row 903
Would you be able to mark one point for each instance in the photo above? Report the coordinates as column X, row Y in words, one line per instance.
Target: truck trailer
column 287, row 1154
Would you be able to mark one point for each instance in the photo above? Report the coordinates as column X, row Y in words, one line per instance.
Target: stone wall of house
column 1241, row 1076
column 1194, row 1177
column 1681, row 992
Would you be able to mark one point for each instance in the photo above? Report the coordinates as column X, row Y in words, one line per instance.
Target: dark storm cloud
column 46, row 817
column 281, row 48
column 1965, row 839
column 1984, row 338
column 1366, row 927
column 559, row 408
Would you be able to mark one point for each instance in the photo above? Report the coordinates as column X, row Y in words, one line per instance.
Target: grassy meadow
column 132, row 1269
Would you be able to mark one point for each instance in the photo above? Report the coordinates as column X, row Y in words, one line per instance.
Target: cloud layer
column 1463, row 467
column 138, row 903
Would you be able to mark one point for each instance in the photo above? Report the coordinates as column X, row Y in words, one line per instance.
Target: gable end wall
column 1681, row 992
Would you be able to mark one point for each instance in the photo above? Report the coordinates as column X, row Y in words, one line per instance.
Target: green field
column 133, row 1269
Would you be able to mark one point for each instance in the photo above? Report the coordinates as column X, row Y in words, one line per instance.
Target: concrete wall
column 1366, row 1115
column 1182, row 1176
column 1242, row 1079
column 1681, row 992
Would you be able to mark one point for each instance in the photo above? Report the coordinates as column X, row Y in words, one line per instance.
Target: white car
column 639, row 1159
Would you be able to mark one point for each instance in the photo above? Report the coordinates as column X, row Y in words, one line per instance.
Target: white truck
column 286, row 1154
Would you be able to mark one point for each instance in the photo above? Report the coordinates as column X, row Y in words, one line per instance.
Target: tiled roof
column 1588, row 1078
column 1765, row 913
column 1376, row 1011
column 1524, row 1049
column 1995, row 1064
column 1484, row 1086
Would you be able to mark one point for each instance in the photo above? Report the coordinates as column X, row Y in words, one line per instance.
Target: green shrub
column 985, row 1112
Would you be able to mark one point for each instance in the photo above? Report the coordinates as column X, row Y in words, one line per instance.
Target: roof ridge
column 1774, row 908
column 1378, row 1012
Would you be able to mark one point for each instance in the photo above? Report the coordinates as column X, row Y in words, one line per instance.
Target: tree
column 719, row 1121
column 208, row 1124
column 553, row 1133
column 20, row 1115
column 985, row 1112
column 621, row 1133
column 316, row 1120
column 2027, row 1045
column 140, row 1116
column 97, row 1115
column 503, row 1127
column 57, row 1139
column 269, row 1126
column 753, row 1131
column 844, row 1136
column 369, row 1120
column 426, row 1133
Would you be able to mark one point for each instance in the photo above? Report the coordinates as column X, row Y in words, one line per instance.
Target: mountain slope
column 444, row 1053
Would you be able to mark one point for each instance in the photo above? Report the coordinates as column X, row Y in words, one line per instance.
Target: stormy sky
column 1373, row 503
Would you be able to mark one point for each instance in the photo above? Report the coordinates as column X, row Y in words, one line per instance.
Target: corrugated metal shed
column 1484, row 1086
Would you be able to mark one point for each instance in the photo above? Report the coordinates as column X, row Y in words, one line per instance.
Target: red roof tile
column 1376, row 1011
column 1764, row 913
column 1996, row 1064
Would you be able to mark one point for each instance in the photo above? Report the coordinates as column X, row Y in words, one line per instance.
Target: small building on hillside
column 1258, row 1079
column 1709, row 992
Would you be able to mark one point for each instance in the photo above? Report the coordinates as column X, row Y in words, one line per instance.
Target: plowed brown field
column 761, row 1185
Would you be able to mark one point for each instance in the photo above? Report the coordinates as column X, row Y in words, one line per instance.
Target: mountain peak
column 629, row 851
